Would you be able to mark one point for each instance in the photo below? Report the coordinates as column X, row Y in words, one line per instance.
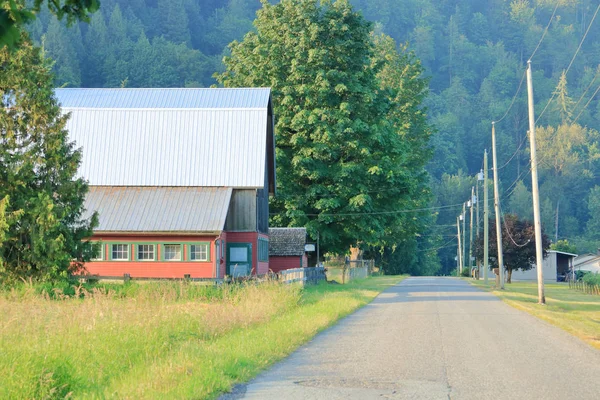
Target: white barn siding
column 170, row 137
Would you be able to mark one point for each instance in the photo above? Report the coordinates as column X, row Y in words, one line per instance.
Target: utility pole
column 486, row 217
column 477, row 201
column 556, row 223
column 460, row 260
column 539, row 254
column 318, row 255
column 471, row 231
column 464, row 231
column 497, row 209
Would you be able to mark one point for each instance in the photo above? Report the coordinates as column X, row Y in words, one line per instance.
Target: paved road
column 434, row 338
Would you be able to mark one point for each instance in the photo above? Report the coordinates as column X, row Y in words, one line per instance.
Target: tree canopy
column 473, row 51
column 518, row 244
column 351, row 137
column 15, row 14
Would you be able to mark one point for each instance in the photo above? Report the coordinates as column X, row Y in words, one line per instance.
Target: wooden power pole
column 539, row 254
column 486, row 217
column 471, row 230
column 460, row 252
column 464, row 231
column 497, row 209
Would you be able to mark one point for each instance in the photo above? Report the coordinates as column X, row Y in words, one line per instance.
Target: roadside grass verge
column 575, row 312
column 163, row 340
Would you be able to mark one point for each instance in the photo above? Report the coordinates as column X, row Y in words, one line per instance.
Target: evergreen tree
column 96, row 43
column 60, row 47
column 174, row 21
column 593, row 224
column 38, row 168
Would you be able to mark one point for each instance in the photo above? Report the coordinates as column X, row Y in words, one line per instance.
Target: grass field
column 573, row 311
column 167, row 340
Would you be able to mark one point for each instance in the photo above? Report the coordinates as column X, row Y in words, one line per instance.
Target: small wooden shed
column 286, row 248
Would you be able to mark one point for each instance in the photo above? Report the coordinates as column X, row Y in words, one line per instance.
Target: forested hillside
column 473, row 51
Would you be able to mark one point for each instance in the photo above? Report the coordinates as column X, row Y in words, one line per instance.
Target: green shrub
column 592, row 279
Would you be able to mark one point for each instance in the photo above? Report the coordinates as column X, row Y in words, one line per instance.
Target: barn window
column 199, row 252
column 172, row 252
column 263, row 249
column 120, row 252
column 145, row 252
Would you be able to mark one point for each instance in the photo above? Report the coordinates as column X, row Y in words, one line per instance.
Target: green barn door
column 239, row 259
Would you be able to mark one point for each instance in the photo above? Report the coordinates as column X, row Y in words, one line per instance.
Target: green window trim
column 188, row 248
column 163, row 251
column 185, row 249
column 137, row 250
column 110, row 253
column 263, row 249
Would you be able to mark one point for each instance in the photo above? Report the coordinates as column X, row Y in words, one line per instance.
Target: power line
column 530, row 57
column 508, row 232
column 545, row 30
column 438, row 248
column 587, row 88
column 514, row 98
column 380, row 212
column 571, row 63
column 514, row 154
column 587, row 104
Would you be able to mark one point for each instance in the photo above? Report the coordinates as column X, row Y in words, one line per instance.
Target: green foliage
column 564, row 245
column 46, row 238
column 350, row 133
column 14, row 14
column 518, row 244
column 593, row 224
column 473, row 51
column 521, row 202
column 592, row 279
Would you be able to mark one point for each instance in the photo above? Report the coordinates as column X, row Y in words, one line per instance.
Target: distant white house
column 588, row 262
column 556, row 267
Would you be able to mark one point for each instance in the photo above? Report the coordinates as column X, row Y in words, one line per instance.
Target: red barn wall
column 153, row 269
column 279, row 263
column 258, row 267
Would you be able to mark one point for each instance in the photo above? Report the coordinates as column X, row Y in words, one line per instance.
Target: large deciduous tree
column 518, row 244
column 42, row 231
column 345, row 149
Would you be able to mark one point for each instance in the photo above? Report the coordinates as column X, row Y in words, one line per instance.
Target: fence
column 343, row 271
column 305, row 275
column 585, row 287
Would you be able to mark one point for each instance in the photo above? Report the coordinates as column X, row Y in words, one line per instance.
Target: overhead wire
column 526, row 171
column 545, row 30
column 571, row 63
column 508, row 232
column 587, row 104
column 408, row 210
column 587, row 88
column 521, row 84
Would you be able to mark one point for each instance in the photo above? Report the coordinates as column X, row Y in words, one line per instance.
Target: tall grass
column 167, row 340
column 52, row 348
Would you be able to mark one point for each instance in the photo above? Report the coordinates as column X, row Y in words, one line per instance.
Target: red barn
column 180, row 178
column 286, row 248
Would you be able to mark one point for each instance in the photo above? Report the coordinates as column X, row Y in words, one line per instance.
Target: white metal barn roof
column 162, row 209
column 170, row 137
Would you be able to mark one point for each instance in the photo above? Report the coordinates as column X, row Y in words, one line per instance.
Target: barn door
column 239, row 259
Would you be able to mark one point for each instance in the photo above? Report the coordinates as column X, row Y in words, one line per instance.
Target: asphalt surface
column 434, row 338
